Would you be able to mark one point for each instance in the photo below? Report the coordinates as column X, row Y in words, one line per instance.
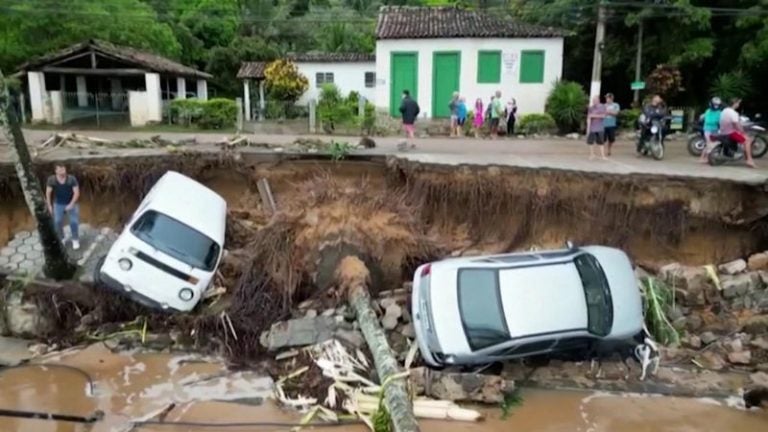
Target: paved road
column 553, row 153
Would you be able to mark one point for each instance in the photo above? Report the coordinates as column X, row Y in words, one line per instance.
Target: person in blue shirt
column 461, row 113
column 609, row 122
column 711, row 124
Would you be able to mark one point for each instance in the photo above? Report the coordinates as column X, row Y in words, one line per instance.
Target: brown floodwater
column 131, row 387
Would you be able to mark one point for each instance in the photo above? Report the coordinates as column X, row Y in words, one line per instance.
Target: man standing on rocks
column 62, row 193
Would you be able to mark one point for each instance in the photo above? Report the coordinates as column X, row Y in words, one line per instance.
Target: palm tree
column 57, row 263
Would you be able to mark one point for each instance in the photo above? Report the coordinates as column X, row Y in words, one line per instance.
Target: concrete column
column 312, row 116
column 202, row 89
column 116, row 90
column 239, row 104
column 154, row 97
column 57, row 108
column 37, row 95
column 262, row 100
column 181, row 88
column 247, row 99
column 62, row 83
column 137, row 107
column 82, row 92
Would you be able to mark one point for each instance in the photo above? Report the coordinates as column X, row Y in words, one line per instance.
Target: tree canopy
column 711, row 42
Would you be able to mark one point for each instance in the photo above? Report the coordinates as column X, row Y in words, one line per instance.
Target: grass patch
column 511, row 400
column 658, row 299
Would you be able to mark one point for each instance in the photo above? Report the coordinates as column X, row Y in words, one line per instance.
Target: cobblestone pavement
column 24, row 253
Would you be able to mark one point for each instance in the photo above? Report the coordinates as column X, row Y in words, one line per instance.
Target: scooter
column 729, row 148
column 697, row 143
column 654, row 143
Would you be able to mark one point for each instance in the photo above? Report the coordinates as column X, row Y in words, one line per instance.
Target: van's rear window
column 176, row 239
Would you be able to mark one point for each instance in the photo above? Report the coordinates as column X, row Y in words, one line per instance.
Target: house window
column 532, row 67
column 489, row 67
column 322, row 78
column 370, row 79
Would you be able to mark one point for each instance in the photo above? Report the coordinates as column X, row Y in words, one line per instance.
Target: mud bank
column 656, row 219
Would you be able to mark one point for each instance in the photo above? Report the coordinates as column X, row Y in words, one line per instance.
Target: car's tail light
column 425, row 270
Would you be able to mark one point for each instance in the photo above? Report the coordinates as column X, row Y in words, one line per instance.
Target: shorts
column 610, row 134
column 494, row 123
column 595, row 138
column 409, row 128
column 461, row 120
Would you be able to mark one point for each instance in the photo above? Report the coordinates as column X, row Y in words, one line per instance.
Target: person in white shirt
column 730, row 122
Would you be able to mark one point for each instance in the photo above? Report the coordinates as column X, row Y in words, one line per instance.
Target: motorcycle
column 729, row 148
column 759, row 143
column 654, row 142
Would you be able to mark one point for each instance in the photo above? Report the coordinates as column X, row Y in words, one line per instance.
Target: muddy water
column 130, row 387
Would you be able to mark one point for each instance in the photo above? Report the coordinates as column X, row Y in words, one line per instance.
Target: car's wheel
column 759, row 146
column 696, row 145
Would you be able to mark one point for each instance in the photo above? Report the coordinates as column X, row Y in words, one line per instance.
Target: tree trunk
column 353, row 277
column 57, row 263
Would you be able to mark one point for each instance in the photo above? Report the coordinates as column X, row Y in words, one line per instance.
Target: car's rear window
column 480, row 307
column 177, row 240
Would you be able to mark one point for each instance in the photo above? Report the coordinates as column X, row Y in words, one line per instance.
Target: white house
column 434, row 51
column 348, row 71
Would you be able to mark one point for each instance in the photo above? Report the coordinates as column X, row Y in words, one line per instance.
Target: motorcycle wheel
column 696, row 145
column 715, row 156
column 657, row 150
column 759, row 146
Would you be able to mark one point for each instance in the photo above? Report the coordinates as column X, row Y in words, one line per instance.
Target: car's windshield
column 597, row 294
column 480, row 307
column 177, row 240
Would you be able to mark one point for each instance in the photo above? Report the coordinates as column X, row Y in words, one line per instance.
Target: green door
column 404, row 76
column 445, row 81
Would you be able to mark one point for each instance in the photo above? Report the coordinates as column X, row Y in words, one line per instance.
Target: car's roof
column 543, row 299
column 191, row 203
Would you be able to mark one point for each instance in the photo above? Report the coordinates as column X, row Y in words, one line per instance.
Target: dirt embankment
column 396, row 216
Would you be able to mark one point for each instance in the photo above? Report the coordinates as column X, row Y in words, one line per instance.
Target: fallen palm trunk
column 353, row 277
column 423, row 408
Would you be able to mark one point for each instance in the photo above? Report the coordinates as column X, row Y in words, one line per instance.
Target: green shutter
column 489, row 67
column 532, row 67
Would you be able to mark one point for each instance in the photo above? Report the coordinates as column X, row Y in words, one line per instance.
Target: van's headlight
column 186, row 294
column 125, row 264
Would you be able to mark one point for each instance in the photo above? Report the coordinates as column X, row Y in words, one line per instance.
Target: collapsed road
column 395, row 215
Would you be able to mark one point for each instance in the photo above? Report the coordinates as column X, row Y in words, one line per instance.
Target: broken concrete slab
column 299, row 332
column 733, row 267
column 456, row 386
column 14, row 351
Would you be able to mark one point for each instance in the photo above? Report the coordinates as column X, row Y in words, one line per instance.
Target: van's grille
column 164, row 267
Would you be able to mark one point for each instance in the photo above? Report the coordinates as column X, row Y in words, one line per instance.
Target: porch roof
column 141, row 59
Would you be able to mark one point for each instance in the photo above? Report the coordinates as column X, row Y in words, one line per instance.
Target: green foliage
column 567, row 105
column 284, row 81
column 334, row 111
column 665, row 80
column 536, row 124
column 731, row 84
column 339, row 150
column 210, row 114
column 628, row 118
column 658, row 299
column 511, row 400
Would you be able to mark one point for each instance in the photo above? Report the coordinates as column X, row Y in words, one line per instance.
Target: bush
column 284, row 81
column 730, row 85
column 567, row 105
column 210, row 114
column 218, row 114
column 665, row 80
column 536, row 124
column 335, row 111
column 628, row 118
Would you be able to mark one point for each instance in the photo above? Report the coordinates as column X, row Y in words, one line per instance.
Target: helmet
column 715, row 102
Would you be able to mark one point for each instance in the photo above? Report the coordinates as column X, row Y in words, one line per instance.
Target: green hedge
column 210, row 114
column 536, row 124
column 628, row 118
column 336, row 111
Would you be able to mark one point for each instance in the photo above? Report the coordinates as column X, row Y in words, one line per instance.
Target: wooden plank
column 101, row 72
column 266, row 195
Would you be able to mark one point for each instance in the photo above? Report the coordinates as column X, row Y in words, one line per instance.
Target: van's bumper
column 143, row 300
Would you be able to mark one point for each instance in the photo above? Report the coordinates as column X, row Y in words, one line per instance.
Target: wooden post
column 312, row 116
column 262, row 105
column 23, row 107
column 266, row 195
column 239, row 103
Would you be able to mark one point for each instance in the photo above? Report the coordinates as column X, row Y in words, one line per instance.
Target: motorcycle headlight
column 125, row 264
column 186, row 294
column 654, row 129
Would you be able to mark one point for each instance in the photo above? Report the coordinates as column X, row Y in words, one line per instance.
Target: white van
column 166, row 256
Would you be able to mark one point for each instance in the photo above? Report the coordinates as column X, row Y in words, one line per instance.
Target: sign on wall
column 510, row 61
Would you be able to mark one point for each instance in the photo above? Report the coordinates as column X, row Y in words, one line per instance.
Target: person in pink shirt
column 477, row 123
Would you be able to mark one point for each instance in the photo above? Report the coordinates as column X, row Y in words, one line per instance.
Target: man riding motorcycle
column 730, row 126
column 656, row 110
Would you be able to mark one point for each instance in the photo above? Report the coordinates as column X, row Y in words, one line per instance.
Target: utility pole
column 638, row 62
column 597, row 62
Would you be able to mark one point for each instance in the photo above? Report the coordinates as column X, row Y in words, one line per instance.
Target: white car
column 485, row 309
column 167, row 255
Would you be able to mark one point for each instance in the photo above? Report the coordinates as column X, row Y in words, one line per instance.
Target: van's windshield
column 177, row 240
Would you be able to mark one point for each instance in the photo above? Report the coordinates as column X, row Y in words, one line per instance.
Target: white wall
column 153, row 98
column 57, row 108
column 37, row 95
column 348, row 76
column 530, row 97
column 138, row 108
